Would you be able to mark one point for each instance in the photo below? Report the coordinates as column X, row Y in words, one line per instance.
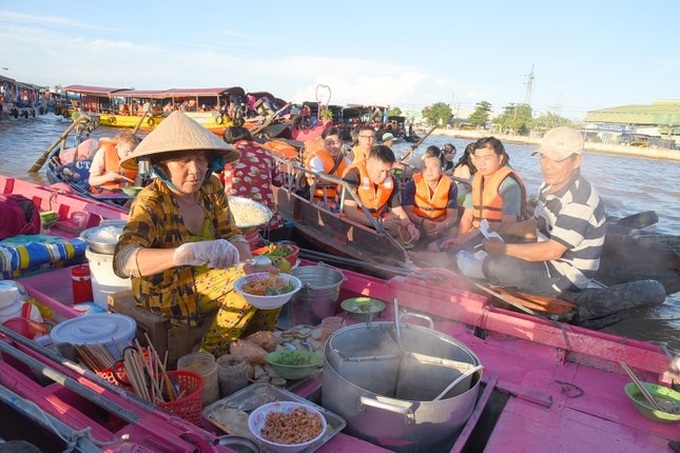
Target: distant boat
column 20, row 100
column 145, row 109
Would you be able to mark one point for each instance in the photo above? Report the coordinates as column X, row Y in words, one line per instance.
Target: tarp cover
column 22, row 255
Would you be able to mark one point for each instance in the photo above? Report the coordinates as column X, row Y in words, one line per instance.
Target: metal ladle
column 258, row 260
column 458, row 380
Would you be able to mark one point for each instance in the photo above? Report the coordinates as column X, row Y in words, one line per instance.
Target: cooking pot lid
column 95, row 328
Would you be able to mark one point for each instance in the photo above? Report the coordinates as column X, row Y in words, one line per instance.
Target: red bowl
column 26, row 327
column 265, row 251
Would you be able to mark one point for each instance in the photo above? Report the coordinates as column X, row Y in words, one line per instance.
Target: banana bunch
column 48, row 218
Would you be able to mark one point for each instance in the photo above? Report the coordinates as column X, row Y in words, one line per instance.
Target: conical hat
column 175, row 133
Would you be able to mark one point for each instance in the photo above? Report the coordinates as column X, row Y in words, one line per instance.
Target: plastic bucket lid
column 11, row 311
column 113, row 330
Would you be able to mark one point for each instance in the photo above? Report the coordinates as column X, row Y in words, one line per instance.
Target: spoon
column 258, row 260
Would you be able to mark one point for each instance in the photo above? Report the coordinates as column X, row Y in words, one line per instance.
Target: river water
column 628, row 185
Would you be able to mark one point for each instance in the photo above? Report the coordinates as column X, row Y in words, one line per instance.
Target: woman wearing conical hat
column 180, row 245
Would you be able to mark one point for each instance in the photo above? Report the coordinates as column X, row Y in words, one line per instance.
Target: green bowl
column 294, row 364
column 657, row 391
column 131, row 191
column 362, row 306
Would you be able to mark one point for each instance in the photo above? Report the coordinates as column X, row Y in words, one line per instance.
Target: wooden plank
column 544, row 304
column 465, row 434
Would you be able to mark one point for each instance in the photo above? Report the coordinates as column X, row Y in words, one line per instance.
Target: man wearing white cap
column 569, row 224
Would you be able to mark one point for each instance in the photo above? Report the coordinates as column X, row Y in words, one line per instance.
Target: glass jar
column 232, row 373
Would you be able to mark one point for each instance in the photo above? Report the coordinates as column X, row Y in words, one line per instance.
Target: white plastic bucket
column 104, row 281
column 113, row 330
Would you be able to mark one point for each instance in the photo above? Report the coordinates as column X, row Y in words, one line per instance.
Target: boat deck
column 547, row 387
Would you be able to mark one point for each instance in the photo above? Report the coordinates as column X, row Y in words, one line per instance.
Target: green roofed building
column 663, row 114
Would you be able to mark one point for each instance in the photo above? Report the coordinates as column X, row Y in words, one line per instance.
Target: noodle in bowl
column 287, row 426
column 272, row 290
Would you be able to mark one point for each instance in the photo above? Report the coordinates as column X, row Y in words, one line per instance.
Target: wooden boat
column 20, row 100
column 105, row 107
column 544, row 387
column 59, row 244
column 336, row 235
column 325, row 230
column 208, row 106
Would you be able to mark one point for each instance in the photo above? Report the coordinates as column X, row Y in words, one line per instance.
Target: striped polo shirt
column 573, row 216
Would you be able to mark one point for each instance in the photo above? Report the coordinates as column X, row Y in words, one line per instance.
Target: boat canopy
column 93, row 90
column 177, row 92
column 142, row 94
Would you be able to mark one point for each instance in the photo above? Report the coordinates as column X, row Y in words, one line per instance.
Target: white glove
column 218, row 254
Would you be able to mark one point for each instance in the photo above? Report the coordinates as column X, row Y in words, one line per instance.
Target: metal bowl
column 238, row 443
column 249, row 214
column 104, row 237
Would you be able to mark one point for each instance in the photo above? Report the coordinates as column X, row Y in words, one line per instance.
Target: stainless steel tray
column 255, row 395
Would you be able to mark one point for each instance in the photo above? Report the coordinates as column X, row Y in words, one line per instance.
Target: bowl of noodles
column 267, row 290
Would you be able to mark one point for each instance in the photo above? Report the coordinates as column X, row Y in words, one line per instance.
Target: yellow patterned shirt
column 155, row 221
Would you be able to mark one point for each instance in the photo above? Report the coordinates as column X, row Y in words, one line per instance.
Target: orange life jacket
column 328, row 165
column 112, row 163
column 374, row 197
column 486, row 201
column 431, row 205
column 312, row 147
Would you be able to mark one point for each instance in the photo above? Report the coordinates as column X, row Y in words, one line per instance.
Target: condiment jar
column 82, row 284
column 232, row 373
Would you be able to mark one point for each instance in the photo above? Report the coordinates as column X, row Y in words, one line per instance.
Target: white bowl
column 267, row 302
column 257, row 419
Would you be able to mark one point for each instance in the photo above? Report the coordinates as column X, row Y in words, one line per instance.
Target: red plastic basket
column 189, row 406
column 119, row 369
column 191, row 384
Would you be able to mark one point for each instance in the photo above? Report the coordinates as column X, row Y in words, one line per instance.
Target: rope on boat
column 75, row 439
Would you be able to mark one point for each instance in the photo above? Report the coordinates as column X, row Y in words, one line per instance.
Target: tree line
column 515, row 118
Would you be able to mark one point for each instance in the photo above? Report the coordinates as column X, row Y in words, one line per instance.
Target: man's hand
column 494, row 246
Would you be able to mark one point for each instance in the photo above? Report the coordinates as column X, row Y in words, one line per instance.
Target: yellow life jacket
column 486, row 200
column 431, row 205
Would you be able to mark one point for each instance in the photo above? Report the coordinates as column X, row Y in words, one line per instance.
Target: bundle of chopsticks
column 95, row 355
column 148, row 376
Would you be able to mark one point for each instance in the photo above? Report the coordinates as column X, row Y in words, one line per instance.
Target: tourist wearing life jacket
column 569, row 224
column 365, row 141
column 376, row 190
column 430, row 199
column 498, row 194
column 329, row 161
column 106, row 174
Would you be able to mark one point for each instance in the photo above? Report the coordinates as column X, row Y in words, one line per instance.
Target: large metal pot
column 386, row 392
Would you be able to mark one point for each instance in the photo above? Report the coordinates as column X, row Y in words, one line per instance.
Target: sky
column 585, row 55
